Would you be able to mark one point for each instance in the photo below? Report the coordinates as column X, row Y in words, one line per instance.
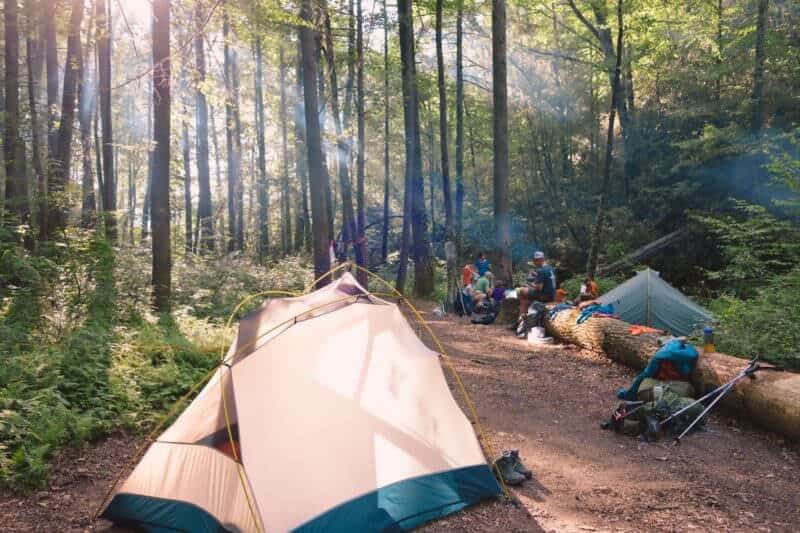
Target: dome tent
column 648, row 300
column 328, row 414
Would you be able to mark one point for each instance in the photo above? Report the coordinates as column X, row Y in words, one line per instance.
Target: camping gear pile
column 660, row 400
column 327, row 413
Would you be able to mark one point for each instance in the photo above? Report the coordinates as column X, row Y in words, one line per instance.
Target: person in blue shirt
column 482, row 264
column 541, row 284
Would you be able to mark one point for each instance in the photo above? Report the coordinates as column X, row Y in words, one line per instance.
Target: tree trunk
column 34, row 62
column 386, row 173
column 187, row 185
column 597, row 231
column 758, row 74
column 444, row 148
column 423, row 266
column 502, row 217
column 239, row 188
column 149, row 185
column 205, row 212
column 16, row 175
column 49, row 9
column 771, row 399
column 87, row 101
column 349, row 229
column 218, row 173
column 109, row 191
column 162, row 265
column 263, row 184
column 459, row 130
column 131, row 198
column 59, row 176
column 317, row 174
column 230, row 134
column 304, row 231
column 330, row 200
column 286, row 225
column 361, row 221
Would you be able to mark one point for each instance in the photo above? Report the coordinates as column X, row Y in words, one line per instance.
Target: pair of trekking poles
column 656, row 426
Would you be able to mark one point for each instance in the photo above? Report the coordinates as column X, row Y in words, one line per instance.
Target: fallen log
column 770, row 399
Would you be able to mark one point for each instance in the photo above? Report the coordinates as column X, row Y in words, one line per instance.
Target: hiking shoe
column 519, row 466
column 505, row 466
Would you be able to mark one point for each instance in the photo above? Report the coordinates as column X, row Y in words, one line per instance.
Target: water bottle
column 708, row 340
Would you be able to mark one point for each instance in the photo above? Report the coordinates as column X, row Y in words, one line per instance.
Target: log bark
column 770, row 400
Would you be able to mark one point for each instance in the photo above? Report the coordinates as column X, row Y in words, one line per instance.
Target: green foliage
column 83, row 354
column 756, row 246
column 765, row 325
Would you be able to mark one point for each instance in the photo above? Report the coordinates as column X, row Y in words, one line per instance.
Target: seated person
column 466, row 275
column 673, row 362
column 481, row 290
column 589, row 290
column 499, row 292
column 561, row 295
column 541, row 284
column 482, row 264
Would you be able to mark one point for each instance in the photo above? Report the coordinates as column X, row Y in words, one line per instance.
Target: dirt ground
column 547, row 403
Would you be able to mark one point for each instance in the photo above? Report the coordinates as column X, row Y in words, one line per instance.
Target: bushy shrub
column 765, row 325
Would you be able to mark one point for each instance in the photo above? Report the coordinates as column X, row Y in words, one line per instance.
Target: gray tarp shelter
column 648, row 300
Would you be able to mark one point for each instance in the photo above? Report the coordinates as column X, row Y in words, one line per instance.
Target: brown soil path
column 547, row 403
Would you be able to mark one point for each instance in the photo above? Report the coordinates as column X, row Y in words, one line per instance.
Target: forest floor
column 546, row 402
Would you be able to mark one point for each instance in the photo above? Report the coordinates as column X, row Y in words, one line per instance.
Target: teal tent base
column 160, row 515
column 397, row 507
column 409, row 503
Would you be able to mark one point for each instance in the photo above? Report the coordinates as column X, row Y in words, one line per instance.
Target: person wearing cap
column 541, row 284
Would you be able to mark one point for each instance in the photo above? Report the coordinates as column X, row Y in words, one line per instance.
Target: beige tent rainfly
column 338, row 419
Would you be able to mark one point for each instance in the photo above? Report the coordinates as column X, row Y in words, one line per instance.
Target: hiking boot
column 519, row 466
column 505, row 466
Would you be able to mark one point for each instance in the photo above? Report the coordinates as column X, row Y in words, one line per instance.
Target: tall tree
column 597, row 231
column 386, row 170
column 87, row 102
column 148, row 189
column 361, row 238
column 159, row 199
column 303, row 235
column 187, row 166
column 316, row 170
column 14, row 146
column 459, row 215
column 60, row 169
column 349, row 229
column 104, row 78
column 415, row 183
column 444, row 144
column 34, row 48
column 230, row 135
column 502, row 218
column 758, row 74
column 263, row 184
column 237, row 122
column 49, row 8
column 205, row 213
column 286, row 226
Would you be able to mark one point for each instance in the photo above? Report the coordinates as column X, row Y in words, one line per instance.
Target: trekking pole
column 748, row 371
column 744, row 372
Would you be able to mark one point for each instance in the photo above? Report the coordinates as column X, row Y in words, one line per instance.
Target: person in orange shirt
column 589, row 290
column 466, row 276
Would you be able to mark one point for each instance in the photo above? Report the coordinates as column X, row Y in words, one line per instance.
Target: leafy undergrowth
column 83, row 355
column 767, row 325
